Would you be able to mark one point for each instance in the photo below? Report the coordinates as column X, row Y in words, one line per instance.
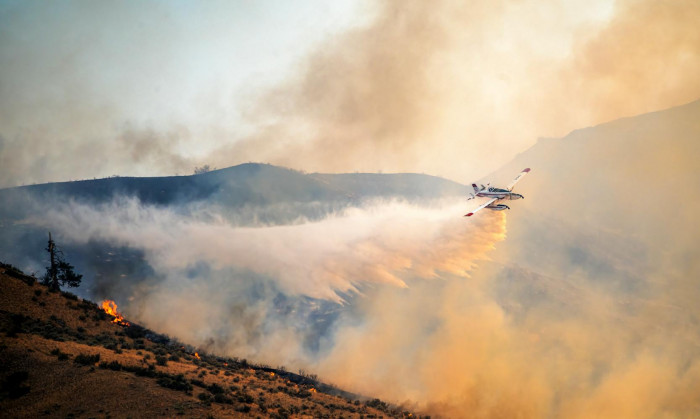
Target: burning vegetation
column 110, row 307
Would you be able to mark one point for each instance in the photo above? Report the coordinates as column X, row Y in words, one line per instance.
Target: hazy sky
column 452, row 88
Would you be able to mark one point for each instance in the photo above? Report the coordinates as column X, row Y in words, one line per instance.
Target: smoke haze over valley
column 577, row 302
column 581, row 301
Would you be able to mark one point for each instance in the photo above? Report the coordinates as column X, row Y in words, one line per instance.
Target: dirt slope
column 65, row 357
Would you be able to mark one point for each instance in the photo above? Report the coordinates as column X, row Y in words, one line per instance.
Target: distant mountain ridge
column 636, row 175
column 614, row 205
column 247, row 184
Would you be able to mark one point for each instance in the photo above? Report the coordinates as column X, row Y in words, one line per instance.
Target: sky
column 455, row 89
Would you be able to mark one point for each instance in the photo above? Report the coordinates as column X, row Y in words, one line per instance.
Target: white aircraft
column 496, row 194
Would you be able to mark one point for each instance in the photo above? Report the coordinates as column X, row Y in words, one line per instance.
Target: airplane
column 496, row 194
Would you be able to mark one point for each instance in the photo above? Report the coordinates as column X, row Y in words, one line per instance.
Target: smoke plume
column 387, row 300
column 243, row 290
column 453, row 88
column 450, row 88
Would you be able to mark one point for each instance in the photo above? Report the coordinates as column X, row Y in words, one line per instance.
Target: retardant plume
column 229, row 282
column 368, row 245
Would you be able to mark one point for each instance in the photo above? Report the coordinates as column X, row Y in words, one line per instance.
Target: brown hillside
column 65, row 357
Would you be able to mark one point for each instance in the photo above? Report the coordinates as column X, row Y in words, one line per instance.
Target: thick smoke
column 371, row 245
column 245, row 290
column 387, row 300
column 453, row 88
column 450, row 88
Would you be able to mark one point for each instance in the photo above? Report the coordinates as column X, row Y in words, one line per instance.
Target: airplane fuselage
column 500, row 194
column 496, row 195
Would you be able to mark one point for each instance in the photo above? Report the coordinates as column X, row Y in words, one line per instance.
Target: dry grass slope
column 64, row 357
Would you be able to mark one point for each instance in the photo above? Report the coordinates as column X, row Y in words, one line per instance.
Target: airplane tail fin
column 476, row 188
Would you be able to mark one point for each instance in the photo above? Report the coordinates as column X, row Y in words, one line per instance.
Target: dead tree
column 59, row 272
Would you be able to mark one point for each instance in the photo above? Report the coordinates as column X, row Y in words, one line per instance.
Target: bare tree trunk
column 53, row 272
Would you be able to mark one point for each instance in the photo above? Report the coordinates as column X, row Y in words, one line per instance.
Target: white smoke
column 383, row 243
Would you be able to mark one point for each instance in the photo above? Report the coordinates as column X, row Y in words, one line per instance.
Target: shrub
column 377, row 404
column 99, row 315
column 161, row 360
column 15, row 326
column 114, row 366
column 61, row 356
column 177, row 382
column 216, row 389
column 70, row 296
column 245, row 398
column 135, row 332
column 282, row 413
column 220, row 398
column 13, row 385
column 303, row 394
column 198, row 383
column 140, row 371
column 85, row 359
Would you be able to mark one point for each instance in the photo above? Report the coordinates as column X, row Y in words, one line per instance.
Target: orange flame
column 110, row 307
column 196, row 355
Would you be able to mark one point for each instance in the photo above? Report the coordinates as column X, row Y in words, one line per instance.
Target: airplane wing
column 489, row 202
column 517, row 178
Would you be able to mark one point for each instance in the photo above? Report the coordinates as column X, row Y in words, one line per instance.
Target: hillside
column 249, row 184
column 618, row 200
column 612, row 206
column 636, row 175
column 66, row 357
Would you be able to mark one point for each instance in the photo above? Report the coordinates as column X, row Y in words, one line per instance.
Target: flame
column 110, row 307
column 196, row 355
